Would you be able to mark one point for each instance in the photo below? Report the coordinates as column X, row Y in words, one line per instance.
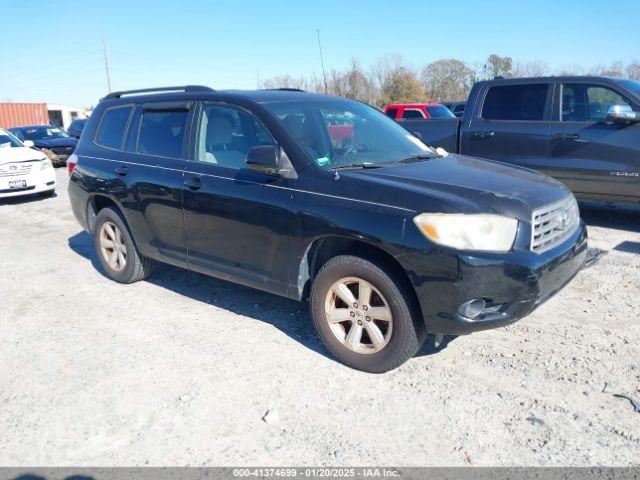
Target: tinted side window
column 459, row 108
column 112, row 127
column 588, row 103
column 392, row 112
column 412, row 114
column 515, row 102
column 162, row 132
column 226, row 134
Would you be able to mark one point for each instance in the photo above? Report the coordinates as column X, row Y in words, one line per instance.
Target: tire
column 135, row 267
column 401, row 337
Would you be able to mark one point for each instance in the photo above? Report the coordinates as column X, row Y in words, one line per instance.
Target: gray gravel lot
column 181, row 369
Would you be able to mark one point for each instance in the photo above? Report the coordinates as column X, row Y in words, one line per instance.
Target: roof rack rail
column 184, row 88
column 287, row 89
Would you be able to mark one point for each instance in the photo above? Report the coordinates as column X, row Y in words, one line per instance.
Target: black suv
column 387, row 238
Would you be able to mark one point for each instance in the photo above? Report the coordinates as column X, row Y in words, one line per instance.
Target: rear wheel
column 365, row 315
column 116, row 251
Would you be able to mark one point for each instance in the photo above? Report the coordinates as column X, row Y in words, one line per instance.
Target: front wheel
column 365, row 315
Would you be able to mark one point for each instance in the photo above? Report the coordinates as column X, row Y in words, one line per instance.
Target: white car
column 23, row 170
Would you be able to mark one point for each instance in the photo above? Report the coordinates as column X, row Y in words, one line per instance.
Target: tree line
column 391, row 80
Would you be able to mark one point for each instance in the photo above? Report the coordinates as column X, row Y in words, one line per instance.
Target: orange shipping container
column 17, row 114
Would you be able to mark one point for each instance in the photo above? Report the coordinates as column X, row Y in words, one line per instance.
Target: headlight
column 486, row 232
column 45, row 163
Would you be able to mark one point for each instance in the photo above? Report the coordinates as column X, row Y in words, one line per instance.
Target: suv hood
column 55, row 142
column 470, row 185
column 19, row 154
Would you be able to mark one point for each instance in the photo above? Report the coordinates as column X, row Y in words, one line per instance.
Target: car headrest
column 219, row 130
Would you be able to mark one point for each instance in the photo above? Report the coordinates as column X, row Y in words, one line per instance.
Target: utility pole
column 106, row 65
column 324, row 75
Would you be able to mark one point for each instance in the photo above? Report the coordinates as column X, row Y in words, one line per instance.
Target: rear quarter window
column 515, row 102
column 112, row 126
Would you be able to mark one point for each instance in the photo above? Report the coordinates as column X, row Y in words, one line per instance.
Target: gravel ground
column 182, row 368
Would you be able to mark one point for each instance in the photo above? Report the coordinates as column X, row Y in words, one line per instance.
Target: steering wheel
column 357, row 148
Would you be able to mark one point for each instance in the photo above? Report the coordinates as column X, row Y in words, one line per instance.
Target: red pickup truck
column 417, row 110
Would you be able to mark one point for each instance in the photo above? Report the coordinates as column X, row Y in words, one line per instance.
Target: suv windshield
column 631, row 85
column 37, row 133
column 8, row 140
column 338, row 133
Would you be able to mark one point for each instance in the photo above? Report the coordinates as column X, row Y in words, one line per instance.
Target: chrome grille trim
column 23, row 168
column 553, row 224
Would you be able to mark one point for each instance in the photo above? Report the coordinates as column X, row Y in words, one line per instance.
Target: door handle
column 122, row 171
column 481, row 135
column 567, row 136
column 194, row 184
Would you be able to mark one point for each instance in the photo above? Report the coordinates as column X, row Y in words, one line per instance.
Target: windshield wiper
column 416, row 158
column 357, row 165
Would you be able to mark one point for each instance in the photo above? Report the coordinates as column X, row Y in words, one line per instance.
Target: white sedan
column 23, row 170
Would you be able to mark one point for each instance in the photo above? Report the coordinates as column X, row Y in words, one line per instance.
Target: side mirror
column 622, row 114
column 264, row 159
column 28, row 143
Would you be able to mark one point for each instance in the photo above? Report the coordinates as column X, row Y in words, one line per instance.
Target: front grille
column 553, row 224
column 15, row 169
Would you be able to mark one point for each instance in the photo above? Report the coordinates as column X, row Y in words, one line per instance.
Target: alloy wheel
column 358, row 314
column 112, row 246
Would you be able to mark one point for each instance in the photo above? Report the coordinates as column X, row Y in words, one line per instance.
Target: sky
column 51, row 51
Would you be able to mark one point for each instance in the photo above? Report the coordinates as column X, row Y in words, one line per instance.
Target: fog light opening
column 473, row 308
column 477, row 308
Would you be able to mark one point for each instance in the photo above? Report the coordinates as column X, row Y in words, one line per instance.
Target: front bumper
column 512, row 285
column 58, row 155
column 37, row 181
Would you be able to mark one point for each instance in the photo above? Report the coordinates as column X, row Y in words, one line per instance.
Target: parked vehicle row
column 23, row 170
column 54, row 142
column 583, row 131
column 387, row 238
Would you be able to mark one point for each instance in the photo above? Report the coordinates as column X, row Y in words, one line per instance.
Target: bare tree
column 633, row 70
column 395, row 81
column 570, row 70
column 497, row 66
column 352, row 83
column 284, row 81
column 447, row 80
column 390, row 79
column 529, row 69
column 616, row 69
